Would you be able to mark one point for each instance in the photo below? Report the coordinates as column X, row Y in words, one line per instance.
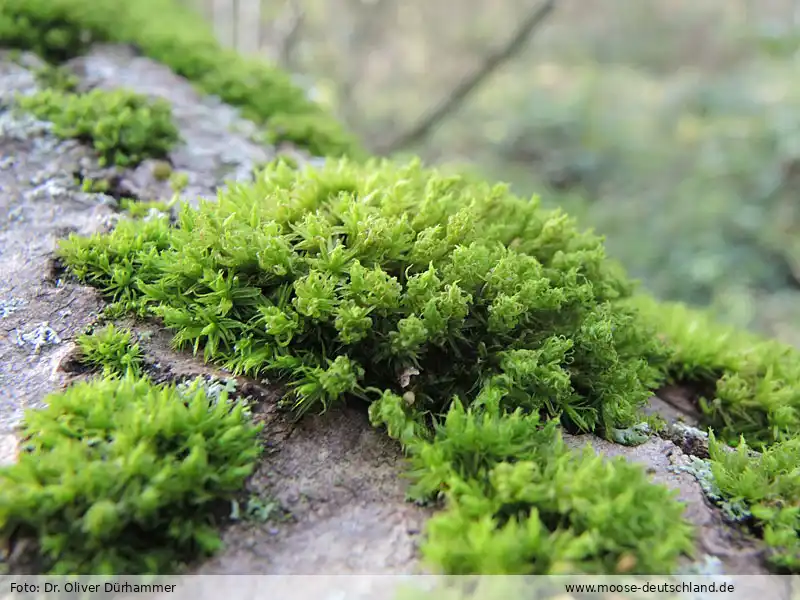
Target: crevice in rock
column 56, row 271
column 685, row 396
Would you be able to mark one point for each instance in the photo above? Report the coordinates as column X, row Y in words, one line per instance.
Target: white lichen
column 40, row 336
column 214, row 389
column 10, row 306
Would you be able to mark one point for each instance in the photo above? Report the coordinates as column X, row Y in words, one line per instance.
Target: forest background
column 672, row 127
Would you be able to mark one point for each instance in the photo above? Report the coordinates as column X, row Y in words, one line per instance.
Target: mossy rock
column 389, row 268
column 430, row 297
column 165, row 31
column 749, row 386
column 466, row 317
column 473, row 324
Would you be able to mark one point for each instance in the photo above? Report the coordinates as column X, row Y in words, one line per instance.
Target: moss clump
column 178, row 181
column 56, row 78
column 124, row 127
column 93, row 186
column 762, row 491
column 174, row 36
column 112, row 350
column 431, row 298
column 139, row 210
column 162, row 170
column 749, row 394
column 121, row 476
column 749, row 386
column 519, row 502
column 346, row 277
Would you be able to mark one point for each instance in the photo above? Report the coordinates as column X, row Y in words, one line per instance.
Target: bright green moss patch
column 750, row 398
column 139, row 210
column 470, row 321
column 519, row 502
column 112, row 350
column 753, row 384
column 174, row 36
column 387, row 268
column 431, row 298
column 124, row 127
column 763, row 491
column 121, row 476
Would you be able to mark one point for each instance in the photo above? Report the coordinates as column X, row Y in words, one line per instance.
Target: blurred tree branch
column 361, row 39
column 291, row 35
column 429, row 121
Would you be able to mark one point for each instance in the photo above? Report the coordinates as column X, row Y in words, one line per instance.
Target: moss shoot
column 765, row 490
column 165, row 31
column 519, row 502
column 123, row 127
column 112, row 350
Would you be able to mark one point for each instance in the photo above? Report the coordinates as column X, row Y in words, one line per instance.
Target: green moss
column 112, row 350
column 750, row 397
column 411, row 290
column 470, row 321
column 306, row 266
column 174, row 36
column 138, row 209
column 121, row 476
column 93, row 186
column 124, row 127
column 750, row 386
column 178, row 182
column 766, row 488
column 289, row 161
column 56, row 78
column 519, row 502
column 162, row 170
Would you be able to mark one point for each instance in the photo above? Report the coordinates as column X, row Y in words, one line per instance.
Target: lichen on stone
column 10, row 306
column 39, row 336
column 169, row 33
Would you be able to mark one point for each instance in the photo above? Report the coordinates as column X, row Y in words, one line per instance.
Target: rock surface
column 331, row 491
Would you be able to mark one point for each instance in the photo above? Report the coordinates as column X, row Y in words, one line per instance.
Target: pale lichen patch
column 38, row 337
column 9, row 306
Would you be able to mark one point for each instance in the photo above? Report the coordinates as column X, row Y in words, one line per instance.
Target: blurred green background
column 672, row 127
